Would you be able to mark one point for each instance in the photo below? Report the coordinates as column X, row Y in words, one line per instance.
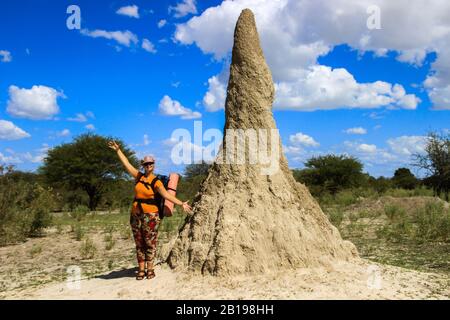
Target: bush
column 25, row 206
column 345, row 198
column 394, row 213
column 109, row 241
column 88, row 249
column 80, row 212
column 35, row 250
column 77, row 229
column 433, row 222
column 430, row 223
column 336, row 216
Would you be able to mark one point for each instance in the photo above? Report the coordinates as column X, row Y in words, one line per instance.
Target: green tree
column 436, row 162
column 403, row 178
column 331, row 173
column 193, row 176
column 87, row 164
column 196, row 169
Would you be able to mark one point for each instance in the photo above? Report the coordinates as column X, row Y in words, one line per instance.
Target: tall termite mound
column 246, row 220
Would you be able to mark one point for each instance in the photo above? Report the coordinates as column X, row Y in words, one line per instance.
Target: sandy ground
column 27, row 273
column 360, row 280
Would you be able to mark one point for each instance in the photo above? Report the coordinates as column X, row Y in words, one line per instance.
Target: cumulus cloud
column 408, row 145
column 366, row 148
column 125, row 38
column 9, row 131
column 39, row 102
column 170, row 107
column 148, row 46
column 325, row 88
column 356, row 130
column 214, row 98
column 303, row 139
column 90, row 127
column 130, row 11
column 5, row 56
column 295, row 33
column 184, row 8
column 370, row 154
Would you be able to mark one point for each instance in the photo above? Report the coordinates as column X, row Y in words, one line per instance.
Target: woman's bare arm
column 166, row 195
column 131, row 170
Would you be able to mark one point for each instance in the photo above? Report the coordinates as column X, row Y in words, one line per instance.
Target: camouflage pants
column 145, row 232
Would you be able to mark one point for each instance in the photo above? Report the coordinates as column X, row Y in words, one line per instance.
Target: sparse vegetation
column 88, row 249
column 373, row 213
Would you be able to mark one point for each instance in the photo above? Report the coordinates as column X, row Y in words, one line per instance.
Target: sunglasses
column 148, row 164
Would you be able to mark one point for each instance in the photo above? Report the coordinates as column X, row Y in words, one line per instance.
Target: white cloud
column 303, row 139
column 148, row 46
column 39, row 102
column 78, row 118
column 325, row 88
column 413, row 56
column 122, row 37
column 33, row 158
column 9, row 159
column 366, row 148
column 184, row 8
column 294, row 33
column 5, row 56
column 9, row 131
column 130, row 11
column 37, row 156
column 214, row 98
column 146, row 140
column 161, row 23
column 64, row 133
column 170, row 107
column 407, row 145
column 370, row 154
column 356, row 130
column 292, row 150
column 90, row 127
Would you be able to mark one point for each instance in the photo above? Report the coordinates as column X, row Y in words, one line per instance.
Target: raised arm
column 163, row 192
column 131, row 170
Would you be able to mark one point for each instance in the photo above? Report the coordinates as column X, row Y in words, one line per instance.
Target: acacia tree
column 331, row 173
column 436, row 162
column 87, row 164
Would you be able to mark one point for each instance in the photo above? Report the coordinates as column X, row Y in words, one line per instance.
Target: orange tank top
column 143, row 190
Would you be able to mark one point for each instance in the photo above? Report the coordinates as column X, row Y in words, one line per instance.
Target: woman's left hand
column 186, row 207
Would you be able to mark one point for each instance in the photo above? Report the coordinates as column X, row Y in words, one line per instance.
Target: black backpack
column 158, row 200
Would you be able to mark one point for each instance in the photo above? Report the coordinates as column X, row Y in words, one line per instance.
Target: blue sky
column 138, row 70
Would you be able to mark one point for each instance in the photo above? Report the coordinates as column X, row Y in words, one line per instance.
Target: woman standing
column 144, row 217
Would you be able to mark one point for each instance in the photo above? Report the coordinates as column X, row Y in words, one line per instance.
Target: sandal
column 151, row 274
column 140, row 275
